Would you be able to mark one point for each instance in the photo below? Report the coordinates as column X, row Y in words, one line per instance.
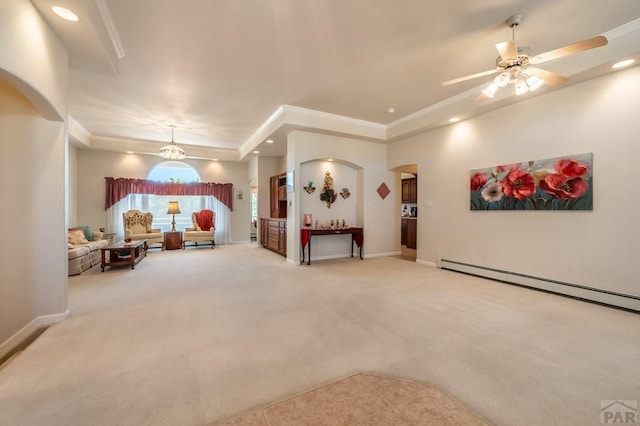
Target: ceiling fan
column 513, row 64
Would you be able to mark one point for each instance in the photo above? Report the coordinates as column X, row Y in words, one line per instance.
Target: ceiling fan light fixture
column 521, row 87
column 534, row 82
column 172, row 151
column 502, row 79
column 490, row 90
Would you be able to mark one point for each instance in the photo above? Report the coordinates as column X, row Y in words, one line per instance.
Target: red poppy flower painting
column 518, row 184
column 564, row 183
column 478, row 180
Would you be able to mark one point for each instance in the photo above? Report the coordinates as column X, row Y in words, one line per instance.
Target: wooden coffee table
column 123, row 254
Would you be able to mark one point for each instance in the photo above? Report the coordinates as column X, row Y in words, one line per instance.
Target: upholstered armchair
column 137, row 226
column 204, row 227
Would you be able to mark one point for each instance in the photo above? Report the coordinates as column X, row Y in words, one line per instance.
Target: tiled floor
column 364, row 399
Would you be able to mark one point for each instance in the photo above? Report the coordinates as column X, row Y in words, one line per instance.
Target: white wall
column 597, row 248
column 380, row 218
column 344, row 176
column 72, row 186
column 33, row 85
column 94, row 166
column 32, row 58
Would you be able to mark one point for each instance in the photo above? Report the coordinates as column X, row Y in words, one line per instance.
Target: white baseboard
column 604, row 296
column 387, row 254
column 426, row 263
column 26, row 331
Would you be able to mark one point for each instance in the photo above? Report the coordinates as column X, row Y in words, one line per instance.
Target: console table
column 357, row 236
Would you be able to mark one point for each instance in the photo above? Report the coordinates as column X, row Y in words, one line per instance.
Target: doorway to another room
column 409, row 212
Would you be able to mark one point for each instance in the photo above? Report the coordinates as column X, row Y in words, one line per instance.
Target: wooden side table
column 172, row 240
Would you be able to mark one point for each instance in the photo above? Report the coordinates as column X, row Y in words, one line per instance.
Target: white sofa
column 84, row 256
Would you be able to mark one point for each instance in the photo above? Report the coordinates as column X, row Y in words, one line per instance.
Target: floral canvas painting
column 564, row 183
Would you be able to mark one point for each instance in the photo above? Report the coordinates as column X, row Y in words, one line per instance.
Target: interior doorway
column 408, row 211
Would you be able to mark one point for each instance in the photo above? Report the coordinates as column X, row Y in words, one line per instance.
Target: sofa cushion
column 88, row 232
column 96, row 245
column 76, row 237
column 78, row 251
column 149, row 236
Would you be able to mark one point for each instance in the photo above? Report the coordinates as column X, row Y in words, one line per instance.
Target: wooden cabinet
column 410, row 190
column 406, row 190
column 173, row 240
column 409, row 233
column 412, row 233
column 403, row 232
column 273, row 235
column 278, row 196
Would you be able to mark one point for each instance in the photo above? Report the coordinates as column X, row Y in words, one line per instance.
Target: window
column 172, row 171
column 254, row 204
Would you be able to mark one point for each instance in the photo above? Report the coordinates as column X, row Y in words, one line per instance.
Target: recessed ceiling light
column 622, row 64
column 65, row 13
column 454, row 119
column 391, row 110
column 269, row 141
column 256, row 152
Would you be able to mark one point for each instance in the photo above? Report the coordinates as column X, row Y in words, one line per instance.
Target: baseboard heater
column 607, row 297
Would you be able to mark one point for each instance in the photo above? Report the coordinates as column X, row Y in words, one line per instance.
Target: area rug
column 363, row 399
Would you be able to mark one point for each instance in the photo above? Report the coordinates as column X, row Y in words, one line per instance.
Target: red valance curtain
column 118, row 188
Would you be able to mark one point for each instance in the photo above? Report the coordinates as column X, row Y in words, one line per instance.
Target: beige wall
column 380, row 218
column 597, row 248
column 93, row 166
column 72, row 186
column 33, row 85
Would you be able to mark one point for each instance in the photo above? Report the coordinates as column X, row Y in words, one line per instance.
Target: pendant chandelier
column 172, row 151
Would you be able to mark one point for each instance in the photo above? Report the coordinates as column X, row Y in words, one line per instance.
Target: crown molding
column 110, row 28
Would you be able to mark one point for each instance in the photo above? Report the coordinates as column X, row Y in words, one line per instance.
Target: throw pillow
column 76, row 236
column 88, row 233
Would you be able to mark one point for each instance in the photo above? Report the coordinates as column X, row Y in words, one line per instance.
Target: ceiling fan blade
column 468, row 77
column 570, row 49
column 550, row 78
column 507, row 50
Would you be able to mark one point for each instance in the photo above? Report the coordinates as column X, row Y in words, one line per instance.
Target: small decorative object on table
column 307, row 220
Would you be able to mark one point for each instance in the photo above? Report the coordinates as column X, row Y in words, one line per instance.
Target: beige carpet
column 199, row 336
column 364, row 399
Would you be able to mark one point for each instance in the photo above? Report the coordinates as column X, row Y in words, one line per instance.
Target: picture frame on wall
column 561, row 183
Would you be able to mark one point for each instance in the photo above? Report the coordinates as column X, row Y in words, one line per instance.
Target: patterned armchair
column 204, row 227
column 137, row 226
